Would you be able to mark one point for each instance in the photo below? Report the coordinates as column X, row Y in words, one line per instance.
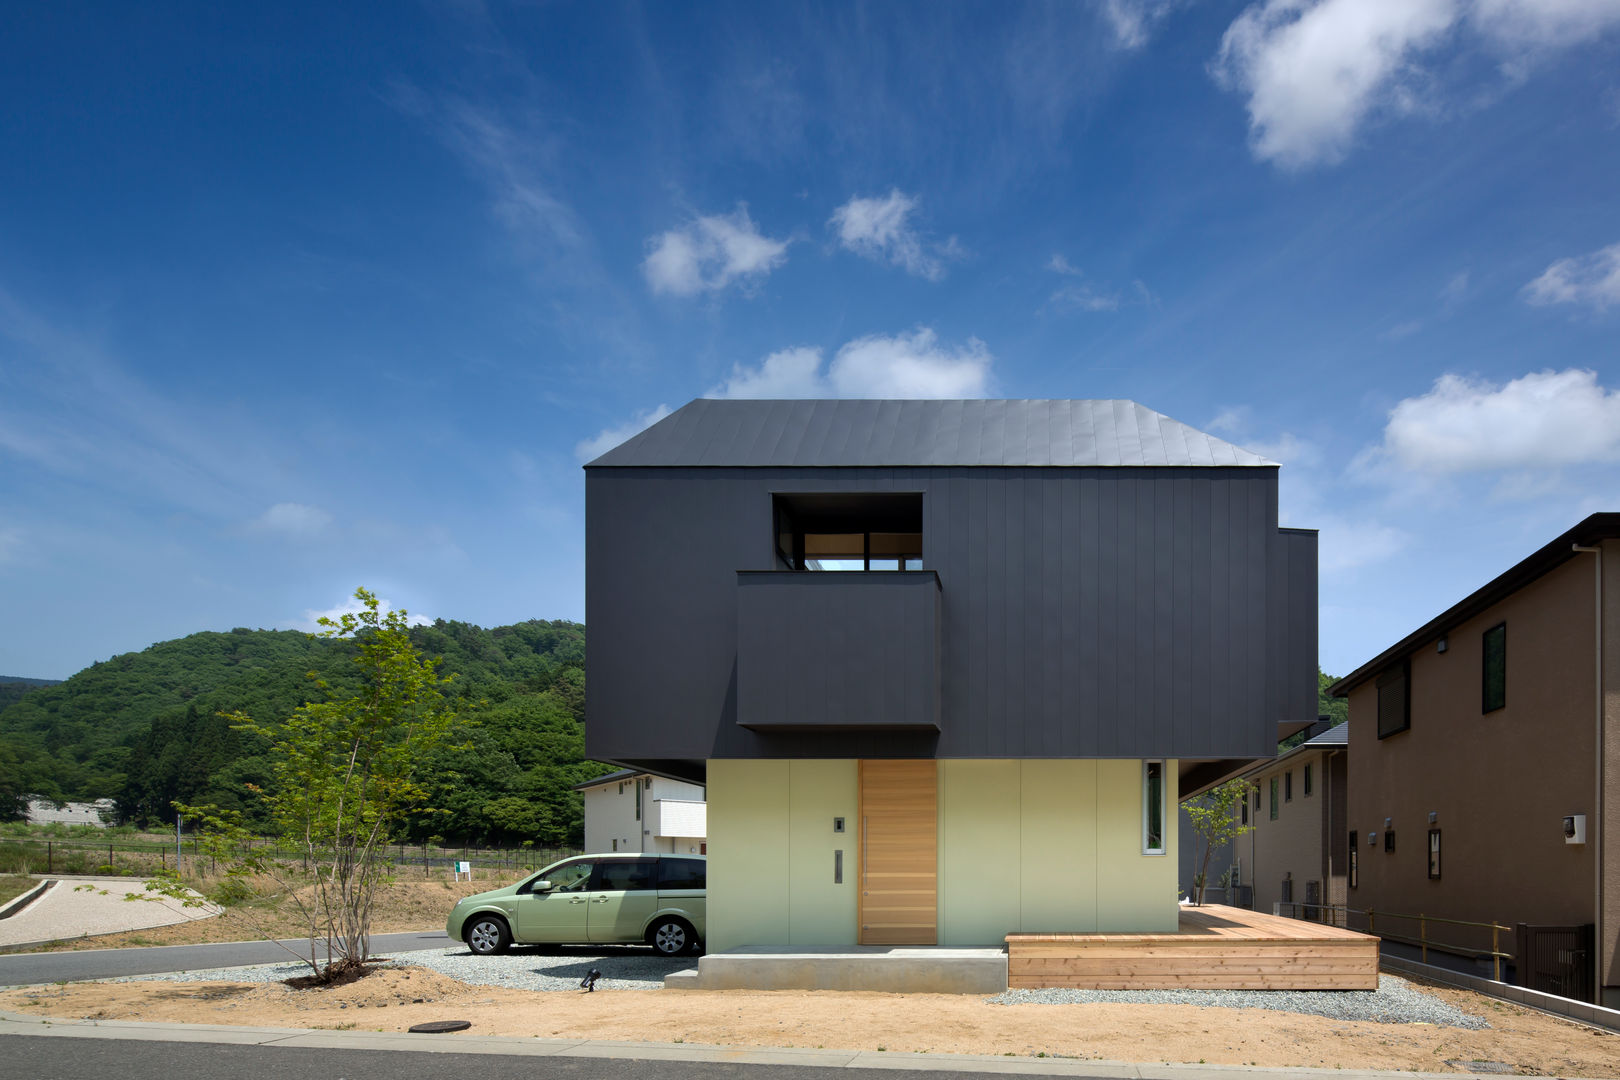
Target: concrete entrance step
column 897, row 969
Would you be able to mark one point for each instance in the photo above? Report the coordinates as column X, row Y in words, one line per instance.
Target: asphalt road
column 17, row 969
column 33, row 1057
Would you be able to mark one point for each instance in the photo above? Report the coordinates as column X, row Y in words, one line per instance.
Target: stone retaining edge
column 1568, row 1008
column 15, row 905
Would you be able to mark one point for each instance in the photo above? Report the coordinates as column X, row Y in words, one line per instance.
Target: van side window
column 623, row 875
column 682, row 873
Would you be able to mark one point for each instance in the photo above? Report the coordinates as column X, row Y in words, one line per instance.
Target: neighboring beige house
column 639, row 811
column 1296, row 851
column 1482, row 787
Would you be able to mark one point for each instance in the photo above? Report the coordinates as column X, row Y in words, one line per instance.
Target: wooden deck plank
column 1213, row 948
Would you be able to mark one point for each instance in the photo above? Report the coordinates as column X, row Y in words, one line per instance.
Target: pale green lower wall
column 771, row 845
column 1037, row 845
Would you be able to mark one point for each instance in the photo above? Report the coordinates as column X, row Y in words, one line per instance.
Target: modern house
column 630, row 810
column 943, row 666
column 1296, row 850
column 1482, row 788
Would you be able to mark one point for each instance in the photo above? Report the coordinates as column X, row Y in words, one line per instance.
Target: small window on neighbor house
column 1434, row 854
column 1307, row 781
column 1153, row 808
column 1245, row 820
column 1273, row 798
column 1354, row 870
column 1394, row 700
column 1288, row 786
column 1493, row 669
column 638, row 800
column 1389, row 840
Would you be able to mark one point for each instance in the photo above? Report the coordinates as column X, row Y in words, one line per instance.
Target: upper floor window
column 849, row 531
column 1394, row 699
column 1493, row 669
column 1307, row 781
column 1288, row 786
column 1273, row 798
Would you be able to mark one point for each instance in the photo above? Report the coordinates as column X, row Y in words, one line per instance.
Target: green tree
column 1214, row 818
column 345, row 773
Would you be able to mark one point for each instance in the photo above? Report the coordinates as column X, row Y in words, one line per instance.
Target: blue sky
column 319, row 296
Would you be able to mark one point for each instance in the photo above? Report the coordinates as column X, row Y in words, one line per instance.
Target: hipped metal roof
column 717, row 433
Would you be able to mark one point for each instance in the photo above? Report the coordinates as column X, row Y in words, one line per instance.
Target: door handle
column 600, row 900
column 579, row 901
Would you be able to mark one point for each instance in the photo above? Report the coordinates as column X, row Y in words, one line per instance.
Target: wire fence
column 134, row 858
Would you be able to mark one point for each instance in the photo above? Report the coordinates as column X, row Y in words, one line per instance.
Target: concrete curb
column 311, row 1038
column 16, row 905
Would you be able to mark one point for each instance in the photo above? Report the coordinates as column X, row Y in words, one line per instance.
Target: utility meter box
column 1575, row 829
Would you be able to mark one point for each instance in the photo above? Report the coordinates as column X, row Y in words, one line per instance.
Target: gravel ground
column 1396, row 1001
column 622, row 969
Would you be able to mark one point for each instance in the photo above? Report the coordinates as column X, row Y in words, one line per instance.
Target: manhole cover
column 439, row 1027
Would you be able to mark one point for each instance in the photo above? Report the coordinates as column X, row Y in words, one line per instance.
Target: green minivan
column 615, row 899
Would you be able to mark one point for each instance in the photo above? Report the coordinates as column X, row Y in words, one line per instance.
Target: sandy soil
column 903, row 1023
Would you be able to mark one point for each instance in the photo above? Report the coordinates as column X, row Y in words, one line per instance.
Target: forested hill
column 143, row 728
column 13, row 687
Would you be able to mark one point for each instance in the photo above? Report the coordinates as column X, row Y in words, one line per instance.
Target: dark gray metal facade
column 1127, row 612
column 853, row 651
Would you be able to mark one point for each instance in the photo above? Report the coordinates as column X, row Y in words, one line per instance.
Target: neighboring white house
column 45, row 812
column 637, row 811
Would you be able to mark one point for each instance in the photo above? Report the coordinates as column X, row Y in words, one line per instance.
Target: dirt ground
column 401, row 906
column 392, row 1000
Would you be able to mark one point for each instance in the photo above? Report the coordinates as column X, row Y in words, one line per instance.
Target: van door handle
column 581, row 900
column 600, row 900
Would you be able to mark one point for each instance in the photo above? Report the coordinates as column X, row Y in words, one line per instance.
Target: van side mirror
column 542, row 886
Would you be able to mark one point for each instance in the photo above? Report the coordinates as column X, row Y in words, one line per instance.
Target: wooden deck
column 1215, row 948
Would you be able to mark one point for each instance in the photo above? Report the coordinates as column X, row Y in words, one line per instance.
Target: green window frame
column 1493, row 669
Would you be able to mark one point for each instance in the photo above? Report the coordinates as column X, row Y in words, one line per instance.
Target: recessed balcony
column 838, row 652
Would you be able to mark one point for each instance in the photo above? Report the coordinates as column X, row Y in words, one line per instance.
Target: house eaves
column 1598, row 527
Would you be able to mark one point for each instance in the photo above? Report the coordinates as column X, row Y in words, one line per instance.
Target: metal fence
column 1457, row 937
column 27, row 855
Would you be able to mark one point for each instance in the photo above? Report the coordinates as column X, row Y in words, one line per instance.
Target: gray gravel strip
column 1396, row 1001
column 641, row 970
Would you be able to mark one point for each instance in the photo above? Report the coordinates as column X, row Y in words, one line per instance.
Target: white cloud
column 1592, row 279
column 1542, row 420
column 786, row 373
column 1133, row 21
column 293, row 519
column 1545, row 23
column 1314, row 69
column 352, row 606
column 1232, row 419
column 880, row 229
column 709, row 253
column 1344, row 544
column 1087, row 297
column 876, row 366
column 608, row 438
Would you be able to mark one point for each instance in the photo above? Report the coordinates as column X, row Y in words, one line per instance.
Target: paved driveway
column 80, row 906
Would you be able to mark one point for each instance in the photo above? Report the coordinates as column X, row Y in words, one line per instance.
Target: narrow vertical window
column 1245, row 812
column 1153, row 808
column 1273, row 798
column 1434, row 854
column 638, row 801
column 1353, row 868
column 1307, row 781
column 1493, row 669
column 1288, row 786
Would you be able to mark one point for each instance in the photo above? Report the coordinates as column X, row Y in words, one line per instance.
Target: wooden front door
column 899, row 852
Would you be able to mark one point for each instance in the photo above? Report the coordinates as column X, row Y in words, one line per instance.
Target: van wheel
column 672, row 937
column 487, row 935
